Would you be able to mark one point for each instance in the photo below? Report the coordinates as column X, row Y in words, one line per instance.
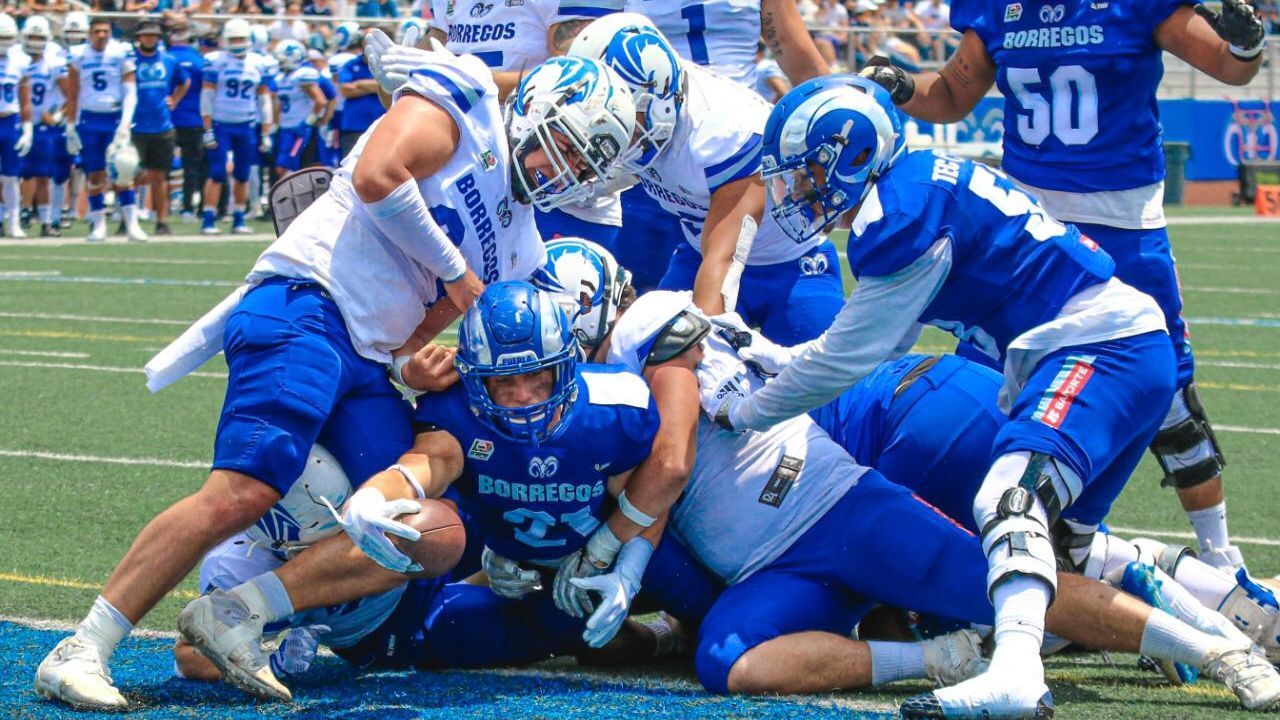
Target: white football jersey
column 13, row 68
column 751, row 495
column 102, row 75
column 295, row 104
column 503, row 35
column 42, row 78
column 710, row 148
column 236, row 82
column 381, row 292
column 270, row 67
column 719, row 34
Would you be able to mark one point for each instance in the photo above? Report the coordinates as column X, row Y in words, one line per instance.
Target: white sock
column 104, row 627
column 129, row 214
column 1167, row 638
column 97, row 216
column 891, row 661
column 266, row 597
column 43, row 212
column 1188, row 609
column 57, row 196
column 1211, row 526
column 1207, row 583
column 1020, row 604
column 12, row 204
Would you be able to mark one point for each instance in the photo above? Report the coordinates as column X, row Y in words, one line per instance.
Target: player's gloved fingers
column 393, row 527
column 1211, row 16
column 412, row 34
column 380, row 550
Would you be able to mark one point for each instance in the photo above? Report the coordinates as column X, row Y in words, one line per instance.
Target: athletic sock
column 266, row 597
column 892, row 661
column 1020, row 605
column 12, row 199
column 57, row 195
column 104, row 627
column 208, row 218
column 237, row 216
column 97, row 203
column 1208, row 584
column 1211, row 527
column 1167, row 638
column 42, row 211
column 1187, row 608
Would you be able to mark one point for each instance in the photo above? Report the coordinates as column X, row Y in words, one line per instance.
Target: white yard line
column 1220, row 220
column 46, row 353
column 1229, row 290
column 110, row 460
column 1184, row 535
column 97, row 368
column 121, row 261
column 58, row 277
column 1248, row 430
column 1235, row 364
column 94, row 318
column 172, row 239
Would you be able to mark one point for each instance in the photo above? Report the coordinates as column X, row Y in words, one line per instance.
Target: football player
column 162, row 83
column 702, row 165
column 1086, row 356
column 302, row 107
column 102, row 97
column 48, row 163
column 16, row 129
column 235, row 102
column 1082, row 136
column 421, row 211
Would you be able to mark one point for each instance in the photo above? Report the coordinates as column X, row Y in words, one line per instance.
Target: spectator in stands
column 290, row 25
column 771, row 82
column 935, row 17
column 362, row 108
column 808, row 11
column 864, row 43
column 323, row 8
column 376, row 8
column 905, row 47
column 830, row 39
column 162, row 83
column 47, row 7
column 187, row 124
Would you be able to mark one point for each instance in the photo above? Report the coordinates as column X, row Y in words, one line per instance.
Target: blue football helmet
column 588, row 282
column 514, row 329
column 633, row 47
column 843, row 126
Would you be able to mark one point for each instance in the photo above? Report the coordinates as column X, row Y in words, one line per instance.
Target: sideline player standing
column 102, row 100
column 302, row 108
column 162, row 83
column 16, row 131
column 48, row 163
column 1082, row 135
column 422, row 209
column 188, row 125
column 233, row 100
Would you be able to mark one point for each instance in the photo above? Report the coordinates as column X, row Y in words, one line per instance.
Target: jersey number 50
column 1072, row 105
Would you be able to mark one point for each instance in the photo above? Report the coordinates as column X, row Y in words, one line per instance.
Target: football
column 442, row 542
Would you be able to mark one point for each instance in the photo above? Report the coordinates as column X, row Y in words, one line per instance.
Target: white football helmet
column 588, row 282
column 290, row 54
column 8, row 31
column 580, row 115
column 259, row 39
column 411, row 22
column 344, row 35
column 122, row 163
column 301, row 517
column 75, row 29
column 631, row 45
column 35, row 35
column 236, row 37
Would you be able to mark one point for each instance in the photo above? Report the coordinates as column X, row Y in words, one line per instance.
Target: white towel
column 194, row 346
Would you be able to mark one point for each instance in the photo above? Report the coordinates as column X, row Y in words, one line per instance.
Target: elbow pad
column 206, row 101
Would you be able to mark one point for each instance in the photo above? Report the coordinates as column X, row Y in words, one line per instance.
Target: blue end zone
column 144, row 669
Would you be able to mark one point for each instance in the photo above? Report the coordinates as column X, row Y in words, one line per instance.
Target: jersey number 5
column 1070, row 112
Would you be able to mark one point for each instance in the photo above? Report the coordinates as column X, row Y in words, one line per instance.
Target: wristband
column 602, row 547
column 411, row 479
column 397, row 368
column 1243, row 55
column 633, row 513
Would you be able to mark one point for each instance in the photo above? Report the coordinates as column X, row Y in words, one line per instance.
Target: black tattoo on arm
column 769, row 33
column 562, row 34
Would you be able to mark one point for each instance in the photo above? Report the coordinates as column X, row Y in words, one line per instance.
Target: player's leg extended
column 1185, row 446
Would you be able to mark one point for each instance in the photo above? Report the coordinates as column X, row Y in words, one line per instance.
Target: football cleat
column 1249, row 675
column 15, row 231
column 210, row 230
column 241, row 230
column 954, row 657
column 135, row 232
column 1253, row 608
column 221, row 627
column 1140, row 581
column 1227, row 559
column 74, row 673
column 97, row 230
column 983, row 698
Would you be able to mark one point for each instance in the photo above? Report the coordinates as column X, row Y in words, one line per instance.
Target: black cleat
column 162, row 229
column 47, row 230
column 926, row 707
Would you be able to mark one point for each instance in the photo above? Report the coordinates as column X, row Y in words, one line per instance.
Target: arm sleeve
column 129, row 104
column 265, row 114
column 403, row 218
column 206, row 101
column 870, row 328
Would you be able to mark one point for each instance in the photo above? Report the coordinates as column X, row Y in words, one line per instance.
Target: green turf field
column 87, row 455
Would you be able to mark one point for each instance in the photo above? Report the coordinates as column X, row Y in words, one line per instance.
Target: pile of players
column 742, row 448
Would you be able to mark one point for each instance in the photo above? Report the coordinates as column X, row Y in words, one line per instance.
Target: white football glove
column 264, row 144
column 506, row 578
column 368, row 517
column 769, row 357
column 297, row 650
column 311, row 120
column 616, row 589
column 23, row 144
column 392, row 63
column 74, row 146
column 210, row 140
column 591, row 560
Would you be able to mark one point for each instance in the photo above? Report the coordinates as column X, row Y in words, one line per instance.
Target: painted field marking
column 63, row 626
column 91, row 280
column 57, row 334
column 1234, row 322
column 1238, row 386
column 43, row 353
column 120, row 261
column 168, row 240
column 1239, row 429
column 1184, row 535
column 1231, row 364
column 28, row 275
column 109, row 460
column 1229, row 290
column 98, row 368
column 93, row 318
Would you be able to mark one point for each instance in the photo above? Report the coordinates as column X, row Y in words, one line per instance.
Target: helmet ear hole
column 862, row 158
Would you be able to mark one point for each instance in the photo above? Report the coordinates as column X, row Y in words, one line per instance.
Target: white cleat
column 97, row 231
column 135, row 232
column 73, row 673
column 210, row 230
column 241, row 230
column 16, row 232
column 985, row 697
column 1254, row 609
column 954, row 657
column 221, row 627
column 1249, row 675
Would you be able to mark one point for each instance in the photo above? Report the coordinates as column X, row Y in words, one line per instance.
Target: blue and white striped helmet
column 632, row 46
column 580, row 114
column 589, row 283
column 345, row 35
column 290, row 54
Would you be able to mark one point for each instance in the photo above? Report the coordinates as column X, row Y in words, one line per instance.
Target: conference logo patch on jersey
column 601, row 467
column 480, row 449
column 1013, row 12
column 784, row 476
column 515, row 3
column 1063, row 391
column 543, row 467
column 450, row 7
column 1052, row 13
column 488, row 160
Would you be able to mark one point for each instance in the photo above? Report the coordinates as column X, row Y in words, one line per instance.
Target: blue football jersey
column 1079, row 79
column 1013, row 267
column 542, row 502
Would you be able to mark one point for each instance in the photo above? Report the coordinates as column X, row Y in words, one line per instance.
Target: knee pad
column 1017, row 542
column 1188, row 451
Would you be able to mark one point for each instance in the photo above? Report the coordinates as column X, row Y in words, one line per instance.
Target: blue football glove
column 297, row 650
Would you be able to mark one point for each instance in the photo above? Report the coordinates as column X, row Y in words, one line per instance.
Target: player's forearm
column 934, row 101
column 954, row 91
column 1234, row 71
column 506, row 80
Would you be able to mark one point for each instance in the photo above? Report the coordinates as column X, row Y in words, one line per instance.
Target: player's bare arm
column 954, row 91
column 783, row 30
column 1190, row 37
column 560, row 36
column 729, row 204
